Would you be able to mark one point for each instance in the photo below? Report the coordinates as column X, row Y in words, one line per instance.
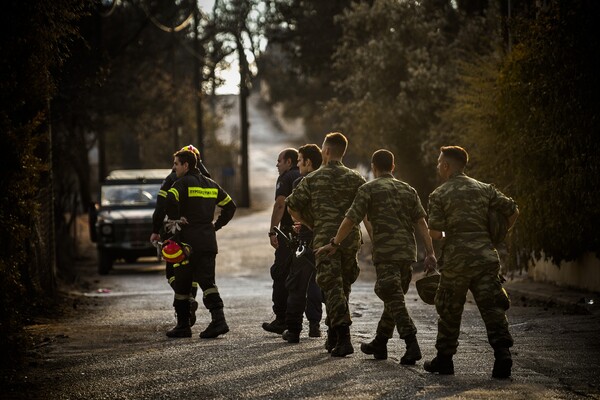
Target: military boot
column 314, row 330
column 278, row 325
column 193, row 308
column 413, row 352
column 377, row 347
column 343, row 346
column 502, row 364
column 331, row 339
column 217, row 326
column 291, row 337
column 182, row 330
column 443, row 365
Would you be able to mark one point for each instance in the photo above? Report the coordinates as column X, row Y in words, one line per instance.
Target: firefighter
column 158, row 232
column 191, row 201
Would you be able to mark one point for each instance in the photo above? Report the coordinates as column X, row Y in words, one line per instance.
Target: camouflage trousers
column 491, row 299
column 392, row 283
column 335, row 276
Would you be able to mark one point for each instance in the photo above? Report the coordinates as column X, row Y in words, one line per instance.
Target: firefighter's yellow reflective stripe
column 184, row 262
column 211, row 290
column 175, row 193
column 162, row 193
column 195, row 284
column 171, row 256
column 225, row 201
column 207, row 193
column 171, row 279
column 181, row 296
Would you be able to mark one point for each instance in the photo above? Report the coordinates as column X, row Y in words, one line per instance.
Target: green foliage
column 392, row 78
column 530, row 122
column 303, row 36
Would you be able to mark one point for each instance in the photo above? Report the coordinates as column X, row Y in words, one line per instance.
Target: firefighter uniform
column 195, row 197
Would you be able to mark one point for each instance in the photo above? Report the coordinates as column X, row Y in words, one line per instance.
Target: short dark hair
column 186, row 156
column 291, row 154
column 383, row 160
column 312, row 152
column 337, row 142
column 457, row 154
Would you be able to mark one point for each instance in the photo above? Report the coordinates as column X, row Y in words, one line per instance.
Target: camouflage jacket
column 392, row 207
column 459, row 207
column 323, row 197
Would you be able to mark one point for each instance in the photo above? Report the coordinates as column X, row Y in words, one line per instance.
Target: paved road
column 111, row 344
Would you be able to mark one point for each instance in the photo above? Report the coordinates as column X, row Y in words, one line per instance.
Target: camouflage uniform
column 323, row 197
column 392, row 207
column 459, row 207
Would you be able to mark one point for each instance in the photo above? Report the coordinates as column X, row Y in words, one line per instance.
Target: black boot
column 182, row 330
column 193, row 308
column 377, row 347
column 291, row 337
column 217, row 326
column 276, row 326
column 331, row 340
column 314, row 330
column 344, row 345
column 413, row 352
column 443, row 365
column 502, row 364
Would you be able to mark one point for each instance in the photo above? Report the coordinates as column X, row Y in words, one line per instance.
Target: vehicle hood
column 127, row 215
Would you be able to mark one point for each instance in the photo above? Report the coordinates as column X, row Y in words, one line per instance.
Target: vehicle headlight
column 106, row 229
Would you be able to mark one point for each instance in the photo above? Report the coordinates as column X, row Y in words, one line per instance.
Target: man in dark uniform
column 395, row 212
column 288, row 173
column 192, row 200
column 459, row 207
column 304, row 295
column 158, row 232
column 320, row 202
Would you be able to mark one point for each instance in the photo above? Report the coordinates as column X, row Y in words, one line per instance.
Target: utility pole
column 244, row 125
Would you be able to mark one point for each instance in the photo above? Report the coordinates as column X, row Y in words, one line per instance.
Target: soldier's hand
column 274, row 241
column 328, row 249
column 297, row 226
column 430, row 263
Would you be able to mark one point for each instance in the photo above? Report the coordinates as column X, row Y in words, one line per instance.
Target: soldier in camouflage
column 395, row 212
column 320, row 201
column 458, row 212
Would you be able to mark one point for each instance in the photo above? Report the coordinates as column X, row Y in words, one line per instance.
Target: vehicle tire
column 105, row 262
column 130, row 260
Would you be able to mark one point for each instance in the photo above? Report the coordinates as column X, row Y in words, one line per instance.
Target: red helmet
column 172, row 252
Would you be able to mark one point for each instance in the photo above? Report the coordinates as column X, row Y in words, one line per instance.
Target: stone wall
column 583, row 273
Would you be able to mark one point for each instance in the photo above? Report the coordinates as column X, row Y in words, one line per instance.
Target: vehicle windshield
column 129, row 195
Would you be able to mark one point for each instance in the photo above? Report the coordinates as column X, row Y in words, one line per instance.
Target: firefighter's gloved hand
column 174, row 225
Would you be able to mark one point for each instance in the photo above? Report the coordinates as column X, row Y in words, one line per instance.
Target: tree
column 33, row 50
column 536, row 126
column 302, row 36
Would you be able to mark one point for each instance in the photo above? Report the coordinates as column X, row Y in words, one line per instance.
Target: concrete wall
column 583, row 273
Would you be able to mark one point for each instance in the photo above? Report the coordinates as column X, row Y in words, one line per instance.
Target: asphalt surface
column 111, row 344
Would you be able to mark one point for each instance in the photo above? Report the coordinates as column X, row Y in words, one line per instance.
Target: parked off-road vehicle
column 121, row 222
